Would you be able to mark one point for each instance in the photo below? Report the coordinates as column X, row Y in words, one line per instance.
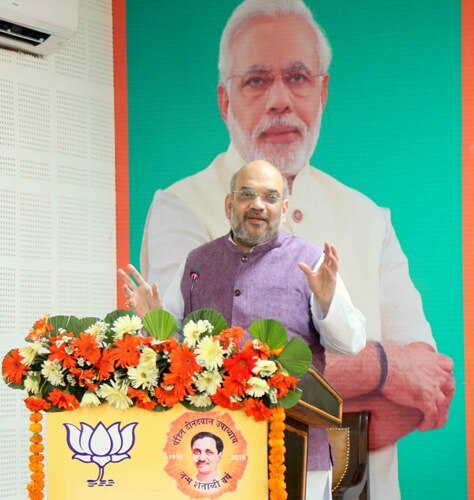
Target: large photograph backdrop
column 391, row 129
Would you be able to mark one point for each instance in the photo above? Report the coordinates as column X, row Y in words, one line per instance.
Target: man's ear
column 228, row 205
column 324, row 90
column 284, row 210
column 223, row 101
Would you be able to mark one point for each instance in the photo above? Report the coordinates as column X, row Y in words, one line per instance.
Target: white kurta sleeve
column 164, row 247
column 401, row 308
column 342, row 330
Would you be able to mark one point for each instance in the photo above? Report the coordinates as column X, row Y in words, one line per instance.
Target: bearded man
column 273, row 87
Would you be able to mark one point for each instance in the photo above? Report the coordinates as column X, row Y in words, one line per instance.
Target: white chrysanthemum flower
column 89, row 399
column 272, row 394
column 126, row 324
column 193, row 331
column 29, row 353
column 53, row 372
column 115, row 395
column 265, row 368
column 200, row 400
column 148, row 358
column 71, row 379
column 257, row 387
column 210, row 354
column 208, row 382
column 98, row 329
column 142, row 376
column 32, row 383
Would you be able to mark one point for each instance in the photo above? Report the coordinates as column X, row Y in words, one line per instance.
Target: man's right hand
column 141, row 296
column 420, row 378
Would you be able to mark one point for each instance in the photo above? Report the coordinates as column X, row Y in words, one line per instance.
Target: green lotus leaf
column 68, row 323
column 295, row 357
column 84, row 323
column 160, row 324
column 290, row 399
column 216, row 319
column 270, row 332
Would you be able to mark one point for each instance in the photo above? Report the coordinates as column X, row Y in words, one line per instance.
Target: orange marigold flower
column 13, row 369
column 36, row 428
column 63, row 400
column 222, row 398
column 36, row 448
column 234, row 334
column 183, row 361
column 36, row 404
column 255, row 408
column 125, row 352
column 142, row 398
column 36, row 467
column 36, row 439
column 36, row 458
column 283, row 382
column 105, row 366
column 87, row 347
column 37, row 417
column 240, row 365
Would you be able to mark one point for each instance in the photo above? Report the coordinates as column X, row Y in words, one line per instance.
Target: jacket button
column 297, row 215
column 244, row 258
column 237, row 292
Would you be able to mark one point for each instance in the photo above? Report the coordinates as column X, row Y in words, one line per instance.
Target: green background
column 391, row 129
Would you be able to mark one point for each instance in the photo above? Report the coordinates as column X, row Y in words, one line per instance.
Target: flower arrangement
column 71, row 363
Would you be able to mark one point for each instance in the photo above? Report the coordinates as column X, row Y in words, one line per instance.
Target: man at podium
column 259, row 271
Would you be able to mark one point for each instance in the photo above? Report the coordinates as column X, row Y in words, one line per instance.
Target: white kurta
column 373, row 266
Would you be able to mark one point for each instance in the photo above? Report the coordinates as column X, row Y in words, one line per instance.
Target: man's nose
column 257, row 203
column 279, row 96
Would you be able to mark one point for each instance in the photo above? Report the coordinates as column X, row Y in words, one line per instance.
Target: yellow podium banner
column 96, row 453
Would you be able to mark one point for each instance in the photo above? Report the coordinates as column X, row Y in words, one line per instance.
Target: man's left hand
column 323, row 281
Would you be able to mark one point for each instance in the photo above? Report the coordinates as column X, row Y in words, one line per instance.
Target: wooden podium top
column 320, row 405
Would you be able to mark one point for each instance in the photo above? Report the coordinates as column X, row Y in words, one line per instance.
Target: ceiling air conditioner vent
column 40, row 27
column 22, row 33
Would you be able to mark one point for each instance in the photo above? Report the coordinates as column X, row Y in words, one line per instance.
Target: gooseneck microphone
column 194, row 274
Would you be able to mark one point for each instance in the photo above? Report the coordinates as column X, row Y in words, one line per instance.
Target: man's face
column 278, row 125
column 205, row 455
column 256, row 221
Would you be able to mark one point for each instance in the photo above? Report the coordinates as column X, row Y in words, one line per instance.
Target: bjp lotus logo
column 101, row 445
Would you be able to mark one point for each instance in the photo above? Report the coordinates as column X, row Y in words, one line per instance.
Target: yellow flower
column 210, row 354
column 208, row 382
column 148, row 358
column 29, row 352
column 115, row 395
column 193, row 331
column 126, row 324
column 89, row 399
column 257, row 387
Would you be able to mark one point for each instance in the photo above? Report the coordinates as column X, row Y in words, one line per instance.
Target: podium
column 320, row 406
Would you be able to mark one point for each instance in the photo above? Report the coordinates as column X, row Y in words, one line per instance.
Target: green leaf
column 216, row 319
column 189, row 406
column 158, row 408
column 84, row 323
column 296, row 357
column 159, row 324
column 118, row 313
column 270, row 332
column 291, row 398
column 68, row 323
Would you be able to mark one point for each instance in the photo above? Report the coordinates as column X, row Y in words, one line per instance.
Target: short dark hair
column 217, row 439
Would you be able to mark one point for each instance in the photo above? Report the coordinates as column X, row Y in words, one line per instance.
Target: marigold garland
column 276, row 441
column 36, row 486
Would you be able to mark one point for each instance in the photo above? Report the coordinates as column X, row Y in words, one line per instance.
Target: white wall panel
column 57, row 201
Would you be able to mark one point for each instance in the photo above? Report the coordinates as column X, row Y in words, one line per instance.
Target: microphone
column 194, row 274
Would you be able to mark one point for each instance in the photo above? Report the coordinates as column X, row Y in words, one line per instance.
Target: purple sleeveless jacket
column 265, row 283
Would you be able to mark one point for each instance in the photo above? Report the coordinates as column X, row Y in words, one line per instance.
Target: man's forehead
column 263, row 179
column 205, row 443
column 275, row 43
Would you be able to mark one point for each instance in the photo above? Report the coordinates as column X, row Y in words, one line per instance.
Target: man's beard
column 288, row 158
column 241, row 235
